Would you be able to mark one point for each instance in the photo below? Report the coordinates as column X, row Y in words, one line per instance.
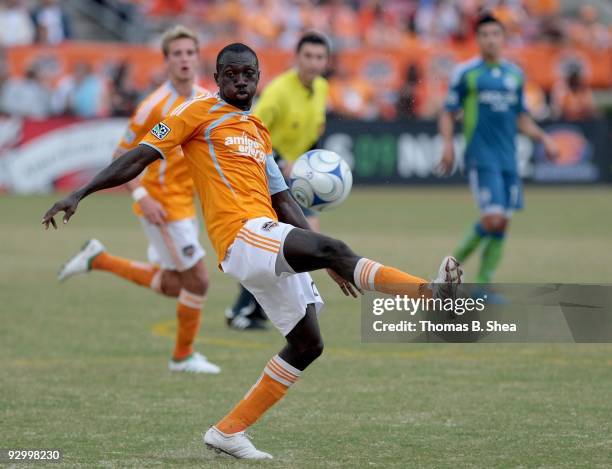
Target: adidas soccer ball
column 320, row 180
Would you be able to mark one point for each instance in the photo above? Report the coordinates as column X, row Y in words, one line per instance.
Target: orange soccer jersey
column 167, row 181
column 227, row 151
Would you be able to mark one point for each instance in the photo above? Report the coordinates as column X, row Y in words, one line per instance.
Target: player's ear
column 216, row 76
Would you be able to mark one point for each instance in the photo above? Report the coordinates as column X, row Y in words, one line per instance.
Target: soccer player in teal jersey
column 489, row 91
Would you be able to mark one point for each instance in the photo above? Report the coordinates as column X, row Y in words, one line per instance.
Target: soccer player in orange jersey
column 164, row 202
column 258, row 232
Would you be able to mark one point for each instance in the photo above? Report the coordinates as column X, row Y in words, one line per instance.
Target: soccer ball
column 320, row 180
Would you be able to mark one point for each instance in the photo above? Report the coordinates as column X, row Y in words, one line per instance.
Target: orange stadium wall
column 543, row 64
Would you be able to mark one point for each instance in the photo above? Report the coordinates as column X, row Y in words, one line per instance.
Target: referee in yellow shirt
column 292, row 107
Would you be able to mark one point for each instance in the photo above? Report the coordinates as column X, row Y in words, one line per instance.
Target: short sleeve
column 276, row 181
column 174, row 130
column 456, row 90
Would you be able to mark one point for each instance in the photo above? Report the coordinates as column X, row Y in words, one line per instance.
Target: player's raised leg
column 306, row 251
column 304, row 345
column 94, row 256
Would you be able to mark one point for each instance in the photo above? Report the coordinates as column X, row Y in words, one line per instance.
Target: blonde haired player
column 258, row 231
column 164, row 202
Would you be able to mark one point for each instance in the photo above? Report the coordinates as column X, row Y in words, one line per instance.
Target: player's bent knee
column 316, row 350
column 312, row 350
column 170, row 283
column 195, row 279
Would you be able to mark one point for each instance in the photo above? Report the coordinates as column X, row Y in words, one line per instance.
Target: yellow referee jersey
column 294, row 114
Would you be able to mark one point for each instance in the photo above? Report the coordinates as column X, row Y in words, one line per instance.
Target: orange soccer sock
column 188, row 315
column 370, row 275
column 137, row 272
column 272, row 385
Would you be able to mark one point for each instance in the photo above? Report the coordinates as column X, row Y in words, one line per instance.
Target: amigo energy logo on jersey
column 160, row 130
column 246, row 146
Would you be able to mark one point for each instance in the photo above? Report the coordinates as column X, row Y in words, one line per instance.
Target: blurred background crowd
column 41, row 86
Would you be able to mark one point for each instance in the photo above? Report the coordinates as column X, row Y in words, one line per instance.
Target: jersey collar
column 240, row 111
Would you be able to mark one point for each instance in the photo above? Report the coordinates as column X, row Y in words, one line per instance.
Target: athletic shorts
column 496, row 191
column 256, row 260
column 174, row 245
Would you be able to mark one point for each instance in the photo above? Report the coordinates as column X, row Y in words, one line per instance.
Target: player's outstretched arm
column 123, row 169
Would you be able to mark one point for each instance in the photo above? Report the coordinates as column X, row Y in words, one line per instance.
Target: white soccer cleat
column 195, row 363
column 237, row 444
column 450, row 276
column 80, row 263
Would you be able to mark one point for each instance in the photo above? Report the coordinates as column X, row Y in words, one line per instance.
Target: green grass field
column 84, row 364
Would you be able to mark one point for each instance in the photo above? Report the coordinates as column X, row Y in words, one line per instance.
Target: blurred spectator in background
column 16, row 25
column 587, row 31
column 380, row 27
column 125, row 9
column 370, row 30
column 52, row 24
column 351, row 95
column 28, row 96
column 262, row 22
column 298, row 16
column 123, row 97
column 4, row 79
column 82, row 94
column 542, row 8
column 343, row 26
column 167, row 7
column 535, row 98
column 572, row 99
column 410, row 98
column 513, row 16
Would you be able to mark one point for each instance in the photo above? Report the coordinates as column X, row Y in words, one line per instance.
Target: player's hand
column 448, row 159
column 152, row 210
column 550, row 147
column 347, row 287
column 67, row 205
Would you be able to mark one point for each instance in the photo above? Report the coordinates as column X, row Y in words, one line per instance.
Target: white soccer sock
column 365, row 272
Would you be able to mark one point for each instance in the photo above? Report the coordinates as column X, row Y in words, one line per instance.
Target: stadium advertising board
column 62, row 153
column 408, row 152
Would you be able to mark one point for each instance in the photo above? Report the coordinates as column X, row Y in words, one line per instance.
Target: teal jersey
column 491, row 96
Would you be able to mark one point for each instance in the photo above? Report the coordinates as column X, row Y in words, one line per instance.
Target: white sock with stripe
column 281, row 371
column 365, row 272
